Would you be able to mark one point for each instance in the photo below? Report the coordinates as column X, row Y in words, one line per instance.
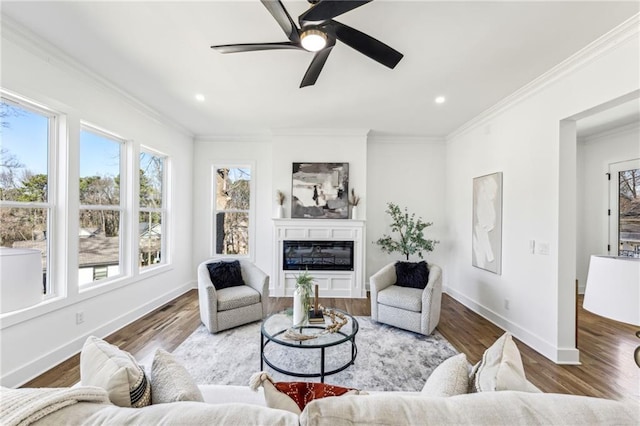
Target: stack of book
column 316, row 317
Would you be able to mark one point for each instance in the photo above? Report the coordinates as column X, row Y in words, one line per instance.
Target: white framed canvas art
column 487, row 223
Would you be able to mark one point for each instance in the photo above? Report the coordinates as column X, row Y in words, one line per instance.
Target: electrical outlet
column 79, row 317
column 542, row 248
column 506, row 304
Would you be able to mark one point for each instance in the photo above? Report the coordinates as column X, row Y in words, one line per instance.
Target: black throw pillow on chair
column 412, row 274
column 225, row 274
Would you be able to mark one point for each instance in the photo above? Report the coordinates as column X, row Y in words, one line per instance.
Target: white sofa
column 241, row 406
column 501, row 395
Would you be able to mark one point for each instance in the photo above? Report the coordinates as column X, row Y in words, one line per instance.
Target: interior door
column 624, row 205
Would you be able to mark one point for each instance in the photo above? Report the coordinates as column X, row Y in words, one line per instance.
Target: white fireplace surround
column 331, row 283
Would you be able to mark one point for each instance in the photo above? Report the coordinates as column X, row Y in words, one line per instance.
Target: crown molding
column 625, row 128
column 405, row 139
column 326, row 132
column 235, row 137
column 23, row 37
column 584, row 56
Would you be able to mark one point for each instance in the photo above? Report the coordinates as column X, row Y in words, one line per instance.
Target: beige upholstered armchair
column 412, row 309
column 232, row 306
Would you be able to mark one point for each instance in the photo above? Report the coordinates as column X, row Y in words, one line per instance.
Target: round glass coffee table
column 273, row 331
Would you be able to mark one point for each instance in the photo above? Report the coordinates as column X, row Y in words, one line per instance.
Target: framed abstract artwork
column 320, row 191
column 486, row 240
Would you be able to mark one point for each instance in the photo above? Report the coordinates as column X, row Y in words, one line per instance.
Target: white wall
column 406, row 170
column 34, row 341
column 595, row 154
column 521, row 138
column 273, row 156
column 220, row 150
column 410, row 172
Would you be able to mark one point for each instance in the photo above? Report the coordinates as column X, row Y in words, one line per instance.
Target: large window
column 26, row 203
column 101, row 208
column 151, row 224
column 232, row 186
column 626, row 209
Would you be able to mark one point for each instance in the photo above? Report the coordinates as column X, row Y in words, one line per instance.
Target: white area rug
column 389, row 359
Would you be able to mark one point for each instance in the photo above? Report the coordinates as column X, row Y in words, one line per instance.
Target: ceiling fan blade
column 316, row 66
column 367, row 45
column 252, row 47
column 328, row 9
column 280, row 14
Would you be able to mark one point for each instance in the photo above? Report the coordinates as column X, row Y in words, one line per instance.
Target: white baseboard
column 557, row 355
column 40, row 365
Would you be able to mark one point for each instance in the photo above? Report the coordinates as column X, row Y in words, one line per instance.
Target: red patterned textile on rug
column 304, row 392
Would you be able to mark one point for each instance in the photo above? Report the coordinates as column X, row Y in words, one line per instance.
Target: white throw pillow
column 107, row 366
column 450, row 378
column 501, row 368
column 170, row 381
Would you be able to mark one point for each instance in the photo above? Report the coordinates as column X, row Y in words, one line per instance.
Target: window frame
column 123, row 208
column 51, row 286
column 251, row 165
column 165, row 256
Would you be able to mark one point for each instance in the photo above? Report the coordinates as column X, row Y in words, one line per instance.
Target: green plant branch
column 411, row 240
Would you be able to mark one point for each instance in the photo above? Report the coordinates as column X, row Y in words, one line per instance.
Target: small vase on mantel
column 354, row 212
column 279, row 212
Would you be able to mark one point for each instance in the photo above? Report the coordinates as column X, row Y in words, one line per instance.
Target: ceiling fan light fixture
column 313, row 39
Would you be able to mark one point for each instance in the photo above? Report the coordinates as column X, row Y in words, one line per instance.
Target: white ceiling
column 475, row 53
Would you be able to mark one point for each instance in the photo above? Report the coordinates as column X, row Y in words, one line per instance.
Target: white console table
column 331, row 283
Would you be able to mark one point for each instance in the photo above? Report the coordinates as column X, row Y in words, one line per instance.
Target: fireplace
column 317, row 255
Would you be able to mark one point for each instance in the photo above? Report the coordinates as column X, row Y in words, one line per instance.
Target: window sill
column 60, row 302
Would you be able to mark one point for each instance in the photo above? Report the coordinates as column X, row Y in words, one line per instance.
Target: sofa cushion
column 501, row 368
column 406, row 298
column 177, row 413
column 294, row 396
column 237, row 297
column 485, row 408
column 225, row 274
column 450, row 378
column 412, row 274
column 170, row 381
column 106, row 366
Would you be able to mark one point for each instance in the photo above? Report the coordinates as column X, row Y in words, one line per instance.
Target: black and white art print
column 487, row 223
column 320, row 191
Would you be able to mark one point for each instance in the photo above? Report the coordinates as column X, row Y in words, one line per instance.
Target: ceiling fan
column 318, row 33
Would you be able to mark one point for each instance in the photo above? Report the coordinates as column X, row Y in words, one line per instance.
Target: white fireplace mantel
column 331, row 283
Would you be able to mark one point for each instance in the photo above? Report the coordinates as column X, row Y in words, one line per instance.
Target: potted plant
column 302, row 298
column 410, row 237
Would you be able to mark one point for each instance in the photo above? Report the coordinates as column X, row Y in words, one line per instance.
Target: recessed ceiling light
column 200, row 97
column 440, row 100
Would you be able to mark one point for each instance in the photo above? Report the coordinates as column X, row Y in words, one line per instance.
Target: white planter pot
column 354, row 212
column 299, row 313
column 279, row 212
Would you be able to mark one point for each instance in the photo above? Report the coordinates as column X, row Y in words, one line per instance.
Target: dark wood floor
column 606, row 347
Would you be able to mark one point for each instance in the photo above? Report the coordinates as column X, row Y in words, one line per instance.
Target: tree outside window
column 25, row 204
column 100, row 206
column 151, row 223
column 629, row 213
column 232, row 208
